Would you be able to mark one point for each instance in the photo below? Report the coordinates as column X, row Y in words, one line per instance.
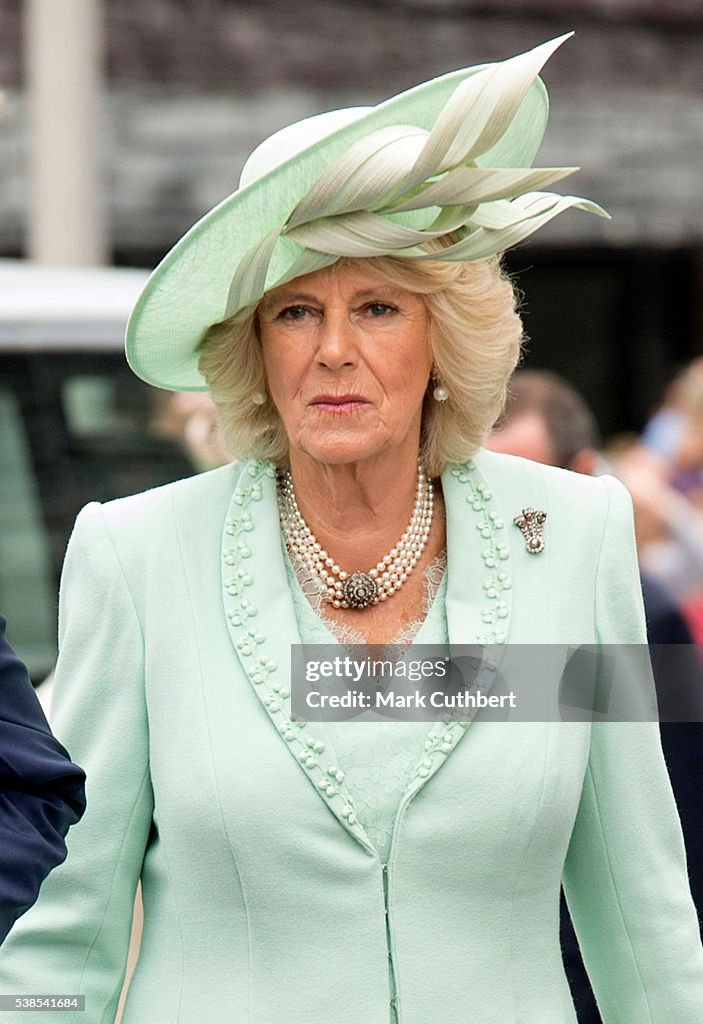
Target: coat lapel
column 262, row 624
column 478, row 597
column 479, row 585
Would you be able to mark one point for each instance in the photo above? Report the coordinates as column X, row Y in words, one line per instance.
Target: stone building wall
column 192, row 85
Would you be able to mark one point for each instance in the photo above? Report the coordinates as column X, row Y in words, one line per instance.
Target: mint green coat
column 264, row 901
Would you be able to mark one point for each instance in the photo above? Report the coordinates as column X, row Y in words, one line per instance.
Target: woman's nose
column 336, row 341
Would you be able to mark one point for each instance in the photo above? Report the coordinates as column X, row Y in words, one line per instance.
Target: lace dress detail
column 378, row 758
column 311, row 586
column 433, row 576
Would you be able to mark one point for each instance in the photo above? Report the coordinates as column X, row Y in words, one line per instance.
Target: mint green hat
column 449, row 156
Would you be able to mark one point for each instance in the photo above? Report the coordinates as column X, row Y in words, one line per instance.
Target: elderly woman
column 346, row 308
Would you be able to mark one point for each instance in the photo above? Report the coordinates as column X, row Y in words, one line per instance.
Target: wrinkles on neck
column 359, row 510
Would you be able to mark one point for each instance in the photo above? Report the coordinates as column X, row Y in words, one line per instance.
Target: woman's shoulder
column 195, row 487
column 148, row 517
column 580, row 509
column 520, row 479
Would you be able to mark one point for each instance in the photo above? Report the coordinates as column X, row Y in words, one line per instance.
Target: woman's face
column 347, row 360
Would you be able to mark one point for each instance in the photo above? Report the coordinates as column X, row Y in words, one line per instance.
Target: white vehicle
column 75, row 425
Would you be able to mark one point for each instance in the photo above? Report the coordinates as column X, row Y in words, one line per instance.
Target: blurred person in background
column 42, row 793
column 675, row 432
column 672, row 529
column 546, row 419
column 190, row 419
column 668, row 526
column 348, row 312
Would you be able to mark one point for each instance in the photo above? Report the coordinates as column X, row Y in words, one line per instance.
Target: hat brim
column 187, row 291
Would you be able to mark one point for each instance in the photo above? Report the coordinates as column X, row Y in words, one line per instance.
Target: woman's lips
column 338, row 404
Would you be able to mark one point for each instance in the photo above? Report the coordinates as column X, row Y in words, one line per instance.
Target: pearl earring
column 440, row 393
column 258, row 398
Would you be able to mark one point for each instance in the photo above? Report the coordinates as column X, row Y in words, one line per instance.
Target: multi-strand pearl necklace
column 357, row 589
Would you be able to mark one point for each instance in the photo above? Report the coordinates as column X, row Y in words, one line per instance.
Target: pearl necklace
column 358, row 589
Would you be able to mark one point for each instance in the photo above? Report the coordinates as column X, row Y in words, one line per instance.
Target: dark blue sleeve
column 41, row 792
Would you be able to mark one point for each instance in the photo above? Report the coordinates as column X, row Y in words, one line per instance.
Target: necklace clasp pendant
column 360, row 590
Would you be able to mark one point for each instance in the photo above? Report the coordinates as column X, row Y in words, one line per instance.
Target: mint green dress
column 378, row 758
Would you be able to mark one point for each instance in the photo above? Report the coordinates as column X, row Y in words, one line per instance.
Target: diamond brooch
column 531, row 524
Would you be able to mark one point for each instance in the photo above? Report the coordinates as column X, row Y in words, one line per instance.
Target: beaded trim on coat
column 271, row 681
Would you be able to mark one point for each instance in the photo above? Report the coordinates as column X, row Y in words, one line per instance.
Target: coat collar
column 262, row 623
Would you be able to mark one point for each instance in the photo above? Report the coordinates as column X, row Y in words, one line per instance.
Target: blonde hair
column 475, row 336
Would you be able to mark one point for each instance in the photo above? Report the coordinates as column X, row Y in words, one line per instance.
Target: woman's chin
column 345, row 441
column 339, row 456
column 340, row 449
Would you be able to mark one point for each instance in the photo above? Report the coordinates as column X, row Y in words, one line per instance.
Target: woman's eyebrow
column 381, row 289
column 287, row 299
column 290, row 298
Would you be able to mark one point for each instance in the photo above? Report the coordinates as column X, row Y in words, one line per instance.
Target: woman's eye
column 379, row 308
column 293, row 313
